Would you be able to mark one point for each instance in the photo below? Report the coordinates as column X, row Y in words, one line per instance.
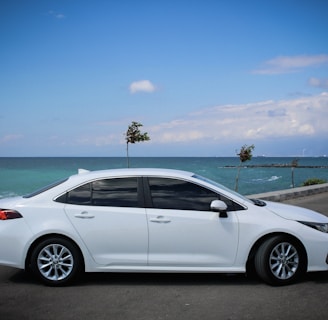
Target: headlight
column 323, row 227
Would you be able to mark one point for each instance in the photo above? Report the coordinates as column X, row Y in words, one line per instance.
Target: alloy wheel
column 55, row 262
column 284, row 261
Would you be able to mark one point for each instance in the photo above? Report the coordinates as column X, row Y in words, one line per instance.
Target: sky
column 204, row 77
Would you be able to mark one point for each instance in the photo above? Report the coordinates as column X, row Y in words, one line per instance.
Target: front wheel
column 56, row 261
column 280, row 260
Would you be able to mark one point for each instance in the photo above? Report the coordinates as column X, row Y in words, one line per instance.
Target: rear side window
column 80, row 195
column 115, row 192
column 120, row 192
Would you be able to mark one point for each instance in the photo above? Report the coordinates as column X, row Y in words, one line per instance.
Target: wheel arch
column 47, row 236
column 258, row 243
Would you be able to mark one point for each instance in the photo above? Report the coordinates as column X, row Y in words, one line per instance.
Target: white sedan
column 157, row 220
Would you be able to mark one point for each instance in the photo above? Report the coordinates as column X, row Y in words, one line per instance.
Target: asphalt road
column 166, row 296
column 317, row 202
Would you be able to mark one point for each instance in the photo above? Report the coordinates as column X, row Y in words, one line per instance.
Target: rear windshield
column 43, row 189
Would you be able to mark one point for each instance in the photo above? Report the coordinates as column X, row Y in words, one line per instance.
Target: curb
column 283, row 195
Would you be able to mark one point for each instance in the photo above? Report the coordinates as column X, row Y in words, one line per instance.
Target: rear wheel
column 280, row 260
column 56, row 261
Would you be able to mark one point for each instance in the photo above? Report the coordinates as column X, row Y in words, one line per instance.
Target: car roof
column 85, row 176
column 125, row 172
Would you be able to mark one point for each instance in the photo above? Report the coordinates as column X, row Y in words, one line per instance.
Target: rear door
column 110, row 219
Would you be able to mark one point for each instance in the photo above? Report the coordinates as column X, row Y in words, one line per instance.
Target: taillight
column 6, row 214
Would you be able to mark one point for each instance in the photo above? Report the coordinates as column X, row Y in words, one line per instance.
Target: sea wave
column 267, row 179
column 7, row 194
column 274, row 178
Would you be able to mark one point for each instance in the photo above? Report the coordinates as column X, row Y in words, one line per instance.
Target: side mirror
column 221, row 207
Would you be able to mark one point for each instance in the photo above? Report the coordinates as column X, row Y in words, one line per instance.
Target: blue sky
column 204, row 77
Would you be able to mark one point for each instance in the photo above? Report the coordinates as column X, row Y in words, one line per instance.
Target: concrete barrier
column 287, row 194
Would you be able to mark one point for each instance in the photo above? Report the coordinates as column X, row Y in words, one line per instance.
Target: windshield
column 216, row 184
column 43, row 189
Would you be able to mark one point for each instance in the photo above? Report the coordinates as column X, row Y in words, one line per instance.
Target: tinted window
column 115, row 192
column 177, row 194
column 80, row 195
column 232, row 206
column 182, row 195
column 121, row 192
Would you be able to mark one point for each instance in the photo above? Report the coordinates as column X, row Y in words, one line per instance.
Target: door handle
column 160, row 219
column 84, row 215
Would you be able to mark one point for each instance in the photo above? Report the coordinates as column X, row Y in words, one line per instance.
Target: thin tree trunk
column 127, row 154
column 237, row 177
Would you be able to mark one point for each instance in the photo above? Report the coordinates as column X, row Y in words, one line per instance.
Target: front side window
column 167, row 193
column 180, row 195
column 120, row 192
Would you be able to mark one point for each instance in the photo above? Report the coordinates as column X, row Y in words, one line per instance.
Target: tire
column 56, row 261
column 280, row 260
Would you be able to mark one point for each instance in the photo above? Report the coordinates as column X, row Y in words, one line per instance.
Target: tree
column 245, row 154
column 133, row 135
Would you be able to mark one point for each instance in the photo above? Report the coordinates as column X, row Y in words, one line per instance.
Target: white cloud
column 288, row 64
column 10, row 137
column 141, row 86
column 319, row 83
column 183, row 136
column 56, row 14
column 267, row 123
column 301, row 117
column 99, row 141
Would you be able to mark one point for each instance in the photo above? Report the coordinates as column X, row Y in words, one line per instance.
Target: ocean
column 20, row 175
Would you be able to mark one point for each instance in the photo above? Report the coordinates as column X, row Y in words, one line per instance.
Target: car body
column 157, row 220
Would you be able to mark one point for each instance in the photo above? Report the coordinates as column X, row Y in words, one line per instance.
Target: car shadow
column 23, row 277
column 161, row 279
column 318, row 277
column 164, row 279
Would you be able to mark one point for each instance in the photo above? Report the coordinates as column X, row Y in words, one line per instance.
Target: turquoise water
column 23, row 175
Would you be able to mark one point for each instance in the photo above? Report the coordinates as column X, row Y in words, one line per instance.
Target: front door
column 184, row 232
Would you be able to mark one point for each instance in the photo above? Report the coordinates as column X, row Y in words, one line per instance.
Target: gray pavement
column 167, row 296
column 317, row 202
column 292, row 193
